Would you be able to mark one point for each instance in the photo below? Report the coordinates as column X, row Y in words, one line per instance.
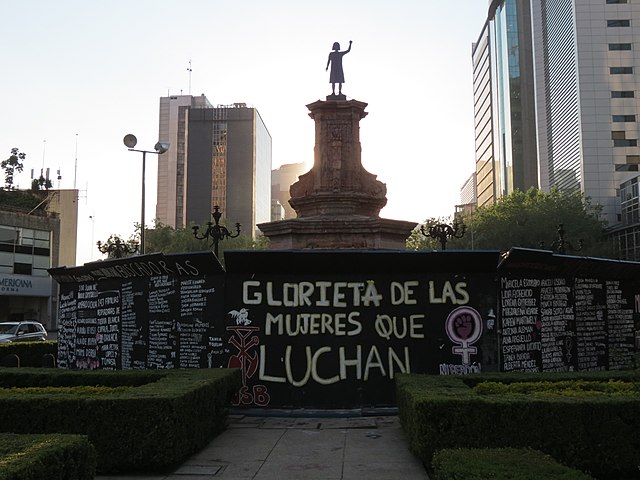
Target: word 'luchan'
column 343, row 366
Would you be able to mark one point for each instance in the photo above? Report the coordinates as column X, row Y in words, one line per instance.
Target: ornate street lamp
column 443, row 232
column 115, row 247
column 130, row 141
column 560, row 245
column 215, row 232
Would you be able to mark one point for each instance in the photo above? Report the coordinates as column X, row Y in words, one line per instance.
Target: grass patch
column 77, row 390
column 54, row 457
column 569, row 388
column 500, row 464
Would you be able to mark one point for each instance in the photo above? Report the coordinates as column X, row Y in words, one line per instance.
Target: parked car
column 25, row 331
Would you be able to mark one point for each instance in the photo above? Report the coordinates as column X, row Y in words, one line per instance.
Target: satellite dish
column 130, row 140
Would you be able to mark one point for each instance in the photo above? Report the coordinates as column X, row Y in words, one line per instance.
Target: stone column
column 338, row 183
column 337, row 202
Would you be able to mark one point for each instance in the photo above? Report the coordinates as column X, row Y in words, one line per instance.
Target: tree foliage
column 166, row 239
column 530, row 219
column 21, row 199
column 13, row 164
column 41, row 183
column 115, row 247
column 418, row 241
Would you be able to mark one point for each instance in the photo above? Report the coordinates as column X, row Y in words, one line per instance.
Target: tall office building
column 504, row 103
column 218, row 156
column 554, row 86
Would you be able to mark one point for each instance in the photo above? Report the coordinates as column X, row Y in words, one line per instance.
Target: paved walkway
column 287, row 448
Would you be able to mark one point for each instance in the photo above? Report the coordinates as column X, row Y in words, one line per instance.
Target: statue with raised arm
column 337, row 74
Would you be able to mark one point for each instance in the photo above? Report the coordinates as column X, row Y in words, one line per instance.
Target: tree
column 530, row 219
column 12, row 165
column 417, row 241
column 41, row 183
column 166, row 239
column 115, row 247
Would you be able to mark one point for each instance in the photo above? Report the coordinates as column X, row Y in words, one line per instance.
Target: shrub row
column 500, row 464
column 54, row 457
column 162, row 419
column 560, row 387
column 30, row 354
column 597, row 434
column 39, row 377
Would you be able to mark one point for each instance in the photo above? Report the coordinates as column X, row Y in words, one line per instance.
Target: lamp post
column 560, row 245
column 130, row 141
column 443, row 232
column 115, row 247
column 215, row 232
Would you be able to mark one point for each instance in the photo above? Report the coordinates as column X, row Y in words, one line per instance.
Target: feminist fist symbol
column 464, row 327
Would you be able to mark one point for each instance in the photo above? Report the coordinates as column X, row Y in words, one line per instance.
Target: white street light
column 130, row 141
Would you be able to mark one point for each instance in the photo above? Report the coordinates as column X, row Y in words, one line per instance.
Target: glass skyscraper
column 560, row 77
column 504, row 102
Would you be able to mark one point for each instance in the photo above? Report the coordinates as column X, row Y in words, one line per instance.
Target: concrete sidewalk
column 283, row 448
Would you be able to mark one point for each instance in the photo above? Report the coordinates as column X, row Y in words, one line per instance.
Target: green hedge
column 43, row 377
column 30, row 354
column 54, row 457
column 597, row 434
column 164, row 417
column 500, row 464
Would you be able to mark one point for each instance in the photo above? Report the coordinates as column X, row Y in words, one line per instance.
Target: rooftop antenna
column 44, row 147
column 75, row 170
column 189, row 69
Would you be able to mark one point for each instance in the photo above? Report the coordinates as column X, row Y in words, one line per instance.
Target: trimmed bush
column 54, row 457
column 500, row 464
column 31, row 354
column 164, row 417
column 594, row 433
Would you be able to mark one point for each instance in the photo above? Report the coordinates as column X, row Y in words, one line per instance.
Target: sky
column 78, row 76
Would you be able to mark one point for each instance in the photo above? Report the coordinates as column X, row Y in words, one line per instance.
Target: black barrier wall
column 332, row 329
column 564, row 313
column 153, row 311
column 328, row 329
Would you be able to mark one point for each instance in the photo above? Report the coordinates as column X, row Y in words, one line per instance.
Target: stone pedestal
column 337, row 202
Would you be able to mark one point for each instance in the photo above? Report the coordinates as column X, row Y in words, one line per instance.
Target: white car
column 25, row 331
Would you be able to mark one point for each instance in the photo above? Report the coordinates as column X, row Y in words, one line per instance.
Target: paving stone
column 279, row 423
column 384, row 470
column 277, row 448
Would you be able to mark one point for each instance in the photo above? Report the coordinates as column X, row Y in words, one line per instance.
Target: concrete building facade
column 218, row 156
column 31, row 242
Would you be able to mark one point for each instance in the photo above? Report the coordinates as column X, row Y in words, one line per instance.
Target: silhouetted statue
column 337, row 74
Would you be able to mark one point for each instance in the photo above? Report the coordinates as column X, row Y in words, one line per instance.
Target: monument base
column 338, row 232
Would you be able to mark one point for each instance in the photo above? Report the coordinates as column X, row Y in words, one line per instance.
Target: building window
column 627, row 142
column 622, row 94
column 620, row 140
column 620, row 70
column 22, row 268
column 626, row 168
column 618, row 135
column 619, row 46
column 616, row 1
column 618, row 23
column 623, row 118
column 633, row 159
